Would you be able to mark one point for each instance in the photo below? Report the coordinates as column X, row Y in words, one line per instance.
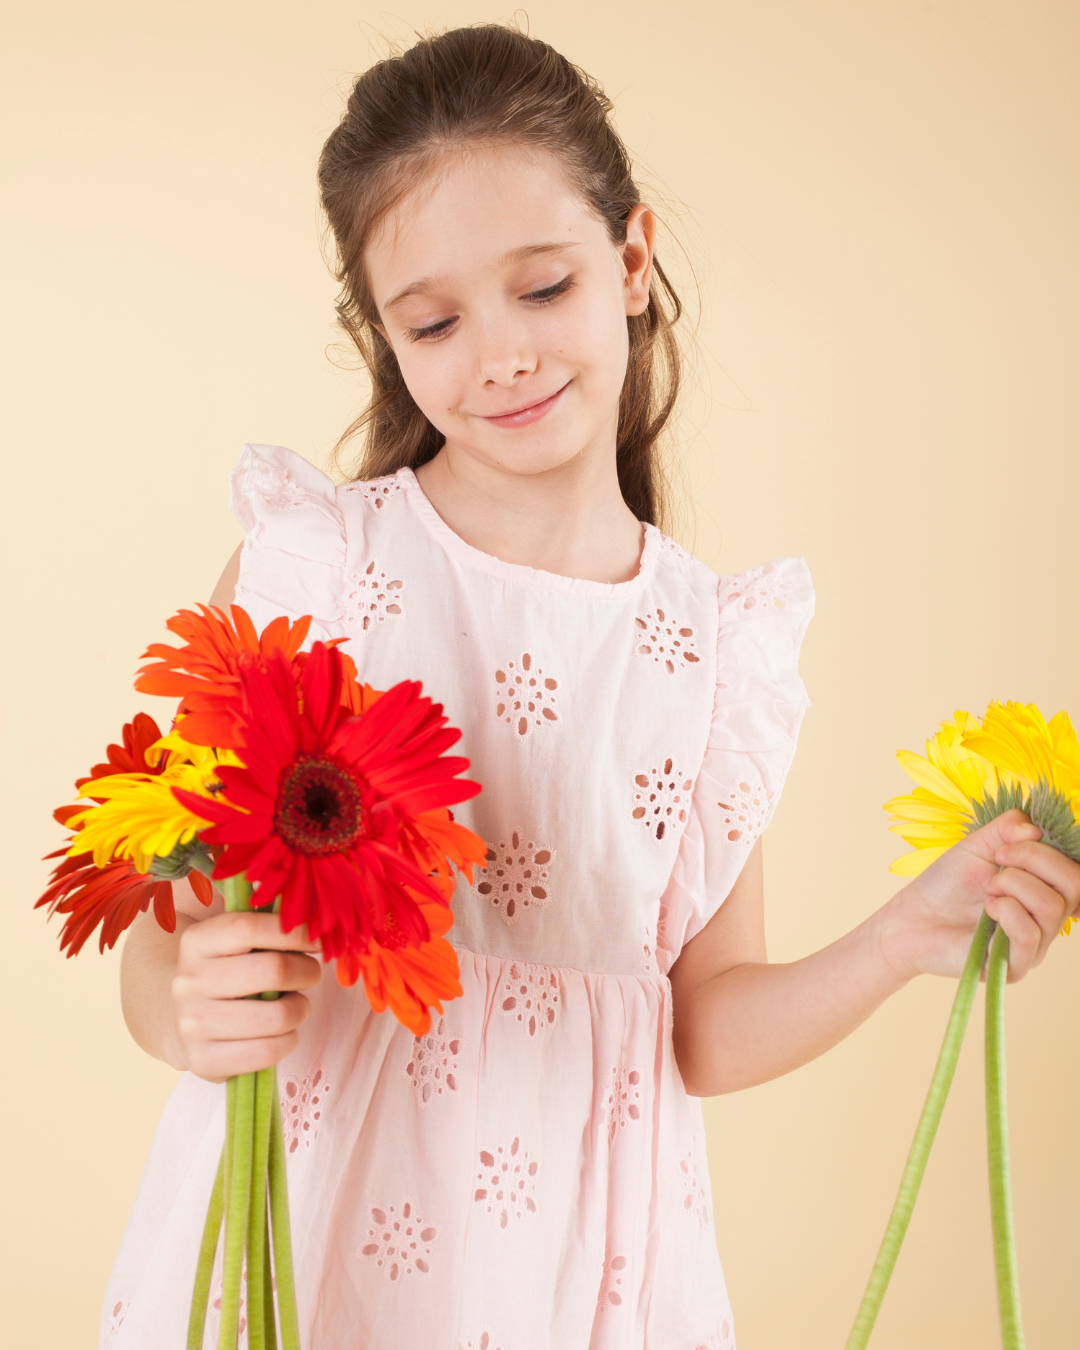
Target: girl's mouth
column 522, row 417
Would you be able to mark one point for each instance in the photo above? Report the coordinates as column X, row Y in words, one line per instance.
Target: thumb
column 1012, row 827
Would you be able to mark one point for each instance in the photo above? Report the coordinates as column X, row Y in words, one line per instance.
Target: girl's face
column 505, row 303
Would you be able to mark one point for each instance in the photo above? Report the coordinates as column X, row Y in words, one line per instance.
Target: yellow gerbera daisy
column 957, row 791
column 140, row 818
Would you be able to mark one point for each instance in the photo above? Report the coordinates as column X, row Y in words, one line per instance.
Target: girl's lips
column 523, row 416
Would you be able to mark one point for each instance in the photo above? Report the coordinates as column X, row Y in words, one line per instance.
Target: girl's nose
column 504, row 354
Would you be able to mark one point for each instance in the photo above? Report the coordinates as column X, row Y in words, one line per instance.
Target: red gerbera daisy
column 114, row 894
column 318, row 812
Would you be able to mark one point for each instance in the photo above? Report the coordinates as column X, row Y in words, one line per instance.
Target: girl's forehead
column 482, row 207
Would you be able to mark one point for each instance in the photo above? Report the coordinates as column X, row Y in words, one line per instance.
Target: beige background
column 882, row 204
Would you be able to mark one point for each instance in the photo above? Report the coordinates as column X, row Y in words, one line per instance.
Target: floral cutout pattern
column 213, row 1312
column 695, row 1198
column 515, row 876
column 302, row 1102
column 665, row 642
column 622, row 1101
column 375, row 491
column 759, row 588
column 481, row 1342
column 275, row 486
column 530, row 995
column 506, row 1183
column 433, row 1067
column 648, row 952
column 524, row 696
column 372, row 598
column 613, row 1284
column 399, row 1241
column 747, row 810
column 661, row 799
column 115, row 1322
column 722, row 1339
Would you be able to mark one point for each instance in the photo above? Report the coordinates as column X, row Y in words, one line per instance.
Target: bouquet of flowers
column 973, row 772
column 301, row 791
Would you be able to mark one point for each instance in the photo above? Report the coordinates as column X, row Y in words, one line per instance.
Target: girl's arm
column 739, row 1020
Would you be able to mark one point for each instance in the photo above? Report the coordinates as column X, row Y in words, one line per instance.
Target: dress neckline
column 518, row 572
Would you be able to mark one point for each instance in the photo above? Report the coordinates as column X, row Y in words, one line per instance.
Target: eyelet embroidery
column 724, row 1339
column 482, row 1342
column 515, row 876
column 524, row 695
column 399, row 1241
column 375, row 491
column 622, row 1102
column 116, row 1321
column 613, row 1284
column 747, row 810
column 760, row 588
column 695, row 1199
column 213, row 1312
column 648, row 952
column 506, row 1183
column 661, row 799
column 667, row 644
column 302, row 1101
column 275, row 486
column 373, row 598
column 433, row 1067
column 670, row 546
column 530, row 995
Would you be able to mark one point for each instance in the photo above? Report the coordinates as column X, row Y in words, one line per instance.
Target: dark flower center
column 319, row 806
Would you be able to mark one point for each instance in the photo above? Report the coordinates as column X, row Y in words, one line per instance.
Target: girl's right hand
column 222, row 961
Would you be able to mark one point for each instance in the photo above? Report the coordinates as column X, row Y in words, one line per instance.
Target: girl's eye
column 545, row 295
column 434, row 330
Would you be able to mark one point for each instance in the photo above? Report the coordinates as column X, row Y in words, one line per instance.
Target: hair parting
column 470, row 86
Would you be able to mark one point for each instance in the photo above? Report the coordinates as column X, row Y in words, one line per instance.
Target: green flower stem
column 239, row 1142
column 200, row 1296
column 257, row 1222
column 997, row 1138
column 236, row 1214
column 924, row 1137
column 279, row 1222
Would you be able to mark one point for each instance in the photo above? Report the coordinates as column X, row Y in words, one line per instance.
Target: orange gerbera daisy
column 205, row 672
column 114, row 894
column 408, row 980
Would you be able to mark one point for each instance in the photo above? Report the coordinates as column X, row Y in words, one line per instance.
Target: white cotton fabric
column 538, row 1144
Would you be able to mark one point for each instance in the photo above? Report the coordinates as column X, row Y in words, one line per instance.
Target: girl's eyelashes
column 434, row 330
column 544, row 296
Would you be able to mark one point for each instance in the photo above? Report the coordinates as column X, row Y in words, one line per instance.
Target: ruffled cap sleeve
column 294, row 553
column 758, row 710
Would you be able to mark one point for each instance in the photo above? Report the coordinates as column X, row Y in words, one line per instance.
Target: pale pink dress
column 532, row 1174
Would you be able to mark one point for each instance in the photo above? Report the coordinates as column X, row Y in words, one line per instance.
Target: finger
column 231, row 934
column 249, row 973
column 1022, row 931
column 218, row 1060
column 242, row 1019
column 1049, row 865
column 1041, row 901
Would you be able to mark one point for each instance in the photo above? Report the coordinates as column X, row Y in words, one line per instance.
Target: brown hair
column 486, row 83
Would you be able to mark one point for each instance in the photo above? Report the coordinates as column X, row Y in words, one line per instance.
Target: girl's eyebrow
column 527, row 251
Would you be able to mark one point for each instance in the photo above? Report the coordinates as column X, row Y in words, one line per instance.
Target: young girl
column 530, row 1175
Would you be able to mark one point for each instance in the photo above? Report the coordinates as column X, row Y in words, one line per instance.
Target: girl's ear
column 637, row 258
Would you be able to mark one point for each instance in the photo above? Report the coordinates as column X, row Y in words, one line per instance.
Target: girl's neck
column 570, row 520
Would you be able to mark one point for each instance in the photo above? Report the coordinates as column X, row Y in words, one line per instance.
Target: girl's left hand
column 1025, row 886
